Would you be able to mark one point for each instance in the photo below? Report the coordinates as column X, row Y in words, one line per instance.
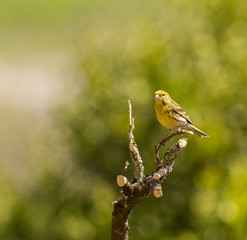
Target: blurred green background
column 67, row 69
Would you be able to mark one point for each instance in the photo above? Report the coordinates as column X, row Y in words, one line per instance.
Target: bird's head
column 162, row 96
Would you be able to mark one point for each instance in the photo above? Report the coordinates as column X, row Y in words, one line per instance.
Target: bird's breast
column 165, row 117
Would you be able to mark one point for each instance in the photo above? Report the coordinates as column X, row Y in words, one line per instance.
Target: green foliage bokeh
column 128, row 50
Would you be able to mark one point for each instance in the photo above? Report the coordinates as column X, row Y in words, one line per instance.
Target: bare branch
column 169, row 158
column 126, row 186
column 138, row 167
column 172, row 153
column 164, row 141
column 142, row 186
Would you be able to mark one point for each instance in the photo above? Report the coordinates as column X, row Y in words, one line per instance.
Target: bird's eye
column 163, row 95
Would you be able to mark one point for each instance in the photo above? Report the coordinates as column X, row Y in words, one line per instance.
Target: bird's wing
column 177, row 110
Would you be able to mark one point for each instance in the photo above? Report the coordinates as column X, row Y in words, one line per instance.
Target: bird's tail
column 197, row 131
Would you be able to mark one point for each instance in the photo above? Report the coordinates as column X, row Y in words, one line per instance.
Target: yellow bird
column 171, row 115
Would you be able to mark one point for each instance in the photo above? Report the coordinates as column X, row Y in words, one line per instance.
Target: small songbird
column 171, row 115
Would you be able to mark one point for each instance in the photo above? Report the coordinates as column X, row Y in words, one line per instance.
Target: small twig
column 125, row 167
column 126, row 186
column 130, row 115
column 138, row 167
column 164, row 141
column 165, row 167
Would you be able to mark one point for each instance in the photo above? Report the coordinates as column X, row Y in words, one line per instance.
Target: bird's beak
column 156, row 96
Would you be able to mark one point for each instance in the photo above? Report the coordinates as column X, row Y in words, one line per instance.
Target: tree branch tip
column 160, row 173
column 121, row 180
column 130, row 116
column 157, row 192
column 156, row 176
column 182, row 142
column 129, row 103
column 125, row 167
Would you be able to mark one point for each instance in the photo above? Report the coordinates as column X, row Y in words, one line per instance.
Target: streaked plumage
column 171, row 115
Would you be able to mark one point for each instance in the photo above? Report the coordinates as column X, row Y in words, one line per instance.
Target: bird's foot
column 179, row 131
